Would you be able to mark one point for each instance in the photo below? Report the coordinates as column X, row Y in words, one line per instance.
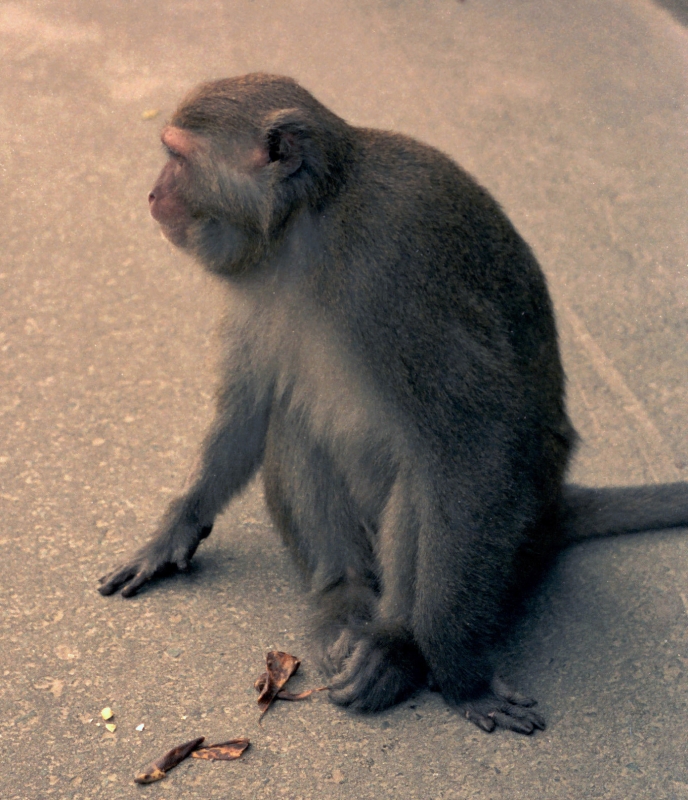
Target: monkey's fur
column 392, row 363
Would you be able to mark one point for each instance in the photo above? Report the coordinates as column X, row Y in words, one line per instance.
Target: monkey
column 391, row 365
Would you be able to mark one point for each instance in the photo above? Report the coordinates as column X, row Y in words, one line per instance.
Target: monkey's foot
column 378, row 669
column 163, row 555
column 503, row 708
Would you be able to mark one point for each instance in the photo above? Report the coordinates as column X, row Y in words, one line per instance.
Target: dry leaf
column 223, row 751
column 301, row 695
column 157, row 769
column 281, row 666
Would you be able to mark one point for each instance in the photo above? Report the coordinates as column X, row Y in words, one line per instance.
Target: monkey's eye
column 173, row 154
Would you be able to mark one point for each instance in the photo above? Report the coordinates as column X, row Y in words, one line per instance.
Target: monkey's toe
column 508, row 709
column 502, row 689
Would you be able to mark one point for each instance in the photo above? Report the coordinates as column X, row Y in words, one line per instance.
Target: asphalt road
column 679, row 8
column 574, row 115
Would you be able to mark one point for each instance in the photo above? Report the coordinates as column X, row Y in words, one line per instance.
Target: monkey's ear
column 287, row 139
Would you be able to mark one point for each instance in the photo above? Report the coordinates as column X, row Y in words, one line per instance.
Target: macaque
column 391, row 362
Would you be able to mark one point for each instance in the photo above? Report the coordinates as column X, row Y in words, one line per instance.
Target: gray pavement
column 679, row 8
column 574, row 115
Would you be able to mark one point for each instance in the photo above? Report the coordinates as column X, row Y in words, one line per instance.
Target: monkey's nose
column 151, row 197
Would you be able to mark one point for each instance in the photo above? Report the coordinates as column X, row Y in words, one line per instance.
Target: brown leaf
column 281, row 666
column 223, row 751
column 157, row 769
column 284, row 695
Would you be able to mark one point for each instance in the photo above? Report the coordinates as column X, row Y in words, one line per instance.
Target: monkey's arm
column 230, row 455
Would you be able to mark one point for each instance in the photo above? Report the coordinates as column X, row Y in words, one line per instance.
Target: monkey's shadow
column 588, row 637
column 209, row 568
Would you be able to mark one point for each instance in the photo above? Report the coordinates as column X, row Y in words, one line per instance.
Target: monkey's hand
column 168, row 552
column 503, row 708
column 382, row 668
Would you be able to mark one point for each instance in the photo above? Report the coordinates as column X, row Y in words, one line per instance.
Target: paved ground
column 574, row 115
column 679, row 8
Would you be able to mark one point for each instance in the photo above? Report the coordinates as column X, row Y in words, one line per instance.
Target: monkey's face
column 209, row 200
column 166, row 200
column 241, row 165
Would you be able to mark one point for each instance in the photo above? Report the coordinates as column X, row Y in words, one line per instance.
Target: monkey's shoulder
column 412, row 171
column 415, row 216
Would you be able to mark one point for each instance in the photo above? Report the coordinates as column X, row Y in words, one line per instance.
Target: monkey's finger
column 112, row 582
column 346, row 688
column 360, row 690
column 353, row 690
column 338, row 652
column 374, row 687
column 353, row 679
column 364, row 695
column 344, row 696
column 132, row 588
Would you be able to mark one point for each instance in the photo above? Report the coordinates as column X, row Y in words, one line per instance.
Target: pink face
column 167, row 206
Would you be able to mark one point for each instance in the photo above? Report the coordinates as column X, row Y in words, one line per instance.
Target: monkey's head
column 244, row 156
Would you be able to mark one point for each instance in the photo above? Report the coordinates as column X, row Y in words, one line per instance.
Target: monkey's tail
column 591, row 513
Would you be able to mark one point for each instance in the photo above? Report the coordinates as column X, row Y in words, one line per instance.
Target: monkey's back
column 447, row 303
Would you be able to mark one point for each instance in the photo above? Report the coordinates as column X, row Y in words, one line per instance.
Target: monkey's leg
column 229, row 457
column 372, row 662
column 379, row 663
column 465, row 559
